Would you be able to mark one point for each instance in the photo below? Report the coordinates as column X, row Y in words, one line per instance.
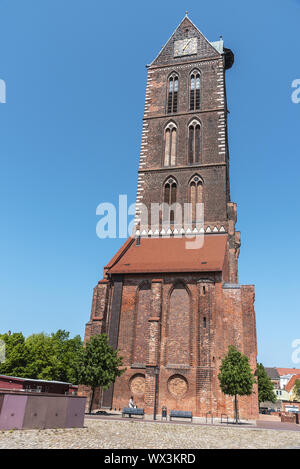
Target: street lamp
column 156, row 372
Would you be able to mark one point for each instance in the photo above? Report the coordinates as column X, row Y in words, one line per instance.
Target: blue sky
column 75, row 71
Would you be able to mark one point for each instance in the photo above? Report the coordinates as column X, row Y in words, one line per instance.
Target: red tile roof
column 291, row 382
column 288, row 371
column 169, row 255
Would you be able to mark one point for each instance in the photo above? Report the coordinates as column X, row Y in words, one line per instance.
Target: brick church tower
column 172, row 305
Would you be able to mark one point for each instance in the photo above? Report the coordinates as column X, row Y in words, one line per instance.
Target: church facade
column 170, row 300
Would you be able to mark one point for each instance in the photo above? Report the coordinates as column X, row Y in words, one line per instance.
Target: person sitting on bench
column 132, row 404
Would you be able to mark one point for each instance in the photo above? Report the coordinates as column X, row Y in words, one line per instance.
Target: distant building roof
column 288, row 371
column 34, row 380
column 291, row 382
column 272, row 373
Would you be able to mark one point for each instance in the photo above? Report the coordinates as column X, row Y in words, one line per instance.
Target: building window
column 170, row 193
column 172, row 94
column 194, row 142
column 195, row 91
column 170, row 145
column 196, row 197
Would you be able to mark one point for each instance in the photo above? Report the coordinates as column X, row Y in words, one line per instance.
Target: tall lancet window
column 195, row 91
column 172, row 94
column 194, row 142
column 170, row 144
column 196, row 197
column 170, row 190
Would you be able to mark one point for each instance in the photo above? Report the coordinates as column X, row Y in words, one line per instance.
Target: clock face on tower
column 185, row 47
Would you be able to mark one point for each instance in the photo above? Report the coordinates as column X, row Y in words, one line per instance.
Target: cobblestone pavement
column 133, row 434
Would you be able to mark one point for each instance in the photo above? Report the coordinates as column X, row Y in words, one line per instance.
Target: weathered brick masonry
column 162, row 305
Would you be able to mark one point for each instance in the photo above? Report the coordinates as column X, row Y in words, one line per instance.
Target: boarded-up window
column 194, row 144
column 170, row 145
column 142, row 313
column 178, row 348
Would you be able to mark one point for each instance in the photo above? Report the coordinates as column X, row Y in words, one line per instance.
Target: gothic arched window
column 170, row 193
column 196, row 197
column 195, row 91
column 170, row 144
column 194, row 142
column 172, row 93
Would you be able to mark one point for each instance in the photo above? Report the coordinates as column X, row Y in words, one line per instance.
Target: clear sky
column 75, row 76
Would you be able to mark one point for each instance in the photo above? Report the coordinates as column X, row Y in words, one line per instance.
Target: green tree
column 99, row 365
column 43, row 363
column 265, row 385
column 16, row 355
column 53, row 357
column 296, row 390
column 235, row 377
column 67, row 351
column 42, row 356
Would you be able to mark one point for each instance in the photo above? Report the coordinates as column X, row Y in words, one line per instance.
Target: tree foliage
column 236, row 377
column 296, row 390
column 99, row 364
column 16, row 355
column 42, row 356
column 265, row 385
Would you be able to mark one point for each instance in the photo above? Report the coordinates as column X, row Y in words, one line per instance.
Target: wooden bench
column 133, row 411
column 182, row 414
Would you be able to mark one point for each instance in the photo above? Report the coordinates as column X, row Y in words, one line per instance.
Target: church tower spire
column 184, row 155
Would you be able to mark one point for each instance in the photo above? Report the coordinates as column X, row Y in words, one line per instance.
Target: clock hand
column 186, row 44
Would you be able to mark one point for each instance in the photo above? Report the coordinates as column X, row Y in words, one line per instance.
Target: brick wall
column 186, row 337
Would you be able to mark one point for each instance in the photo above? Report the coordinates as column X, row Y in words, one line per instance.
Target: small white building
column 284, row 379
